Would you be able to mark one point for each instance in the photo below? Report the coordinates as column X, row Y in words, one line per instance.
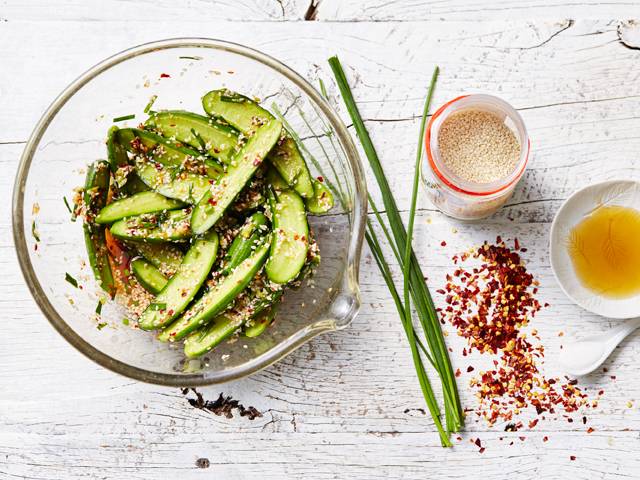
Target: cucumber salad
column 198, row 223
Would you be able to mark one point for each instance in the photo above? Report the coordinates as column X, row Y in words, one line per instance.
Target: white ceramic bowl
column 625, row 193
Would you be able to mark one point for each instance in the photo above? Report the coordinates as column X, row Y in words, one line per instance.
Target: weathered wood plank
column 336, row 407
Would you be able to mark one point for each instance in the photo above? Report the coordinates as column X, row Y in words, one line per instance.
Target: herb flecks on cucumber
column 226, row 188
column 247, row 116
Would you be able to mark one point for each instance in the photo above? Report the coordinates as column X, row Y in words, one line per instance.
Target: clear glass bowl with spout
column 72, row 134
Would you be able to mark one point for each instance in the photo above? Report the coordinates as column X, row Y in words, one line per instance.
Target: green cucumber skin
column 246, row 115
column 98, row 176
column 171, row 155
column 117, row 155
column 216, row 299
column 220, row 140
column 151, row 279
column 260, row 323
column 226, row 324
column 188, row 189
column 290, row 235
column 242, row 168
column 245, row 241
column 99, row 258
column 222, row 327
column 289, row 162
column 143, row 202
column 321, row 201
column 166, row 257
column 173, row 229
column 183, row 286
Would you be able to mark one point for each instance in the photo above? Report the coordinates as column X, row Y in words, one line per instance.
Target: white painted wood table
column 345, row 405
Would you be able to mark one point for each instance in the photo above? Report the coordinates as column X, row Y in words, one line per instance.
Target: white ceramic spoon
column 584, row 356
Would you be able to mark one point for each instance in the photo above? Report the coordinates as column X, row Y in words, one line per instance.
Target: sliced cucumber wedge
column 289, row 162
column 143, row 202
column 242, row 168
column 166, row 257
column 187, row 187
column 220, row 328
column 239, row 111
column 290, row 233
column 96, row 191
column 217, row 298
column 224, row 325
column 246, row 115
column 117, row 154
column 322, row 199
column 170, row 226
column 256, row 326
column 250, row 235
column 200, row 132
column 151, row 279
column 183, row 286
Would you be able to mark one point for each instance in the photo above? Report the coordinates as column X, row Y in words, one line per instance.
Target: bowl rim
column 350, row 287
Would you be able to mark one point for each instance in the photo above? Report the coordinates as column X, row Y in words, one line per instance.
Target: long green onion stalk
column 414, row 285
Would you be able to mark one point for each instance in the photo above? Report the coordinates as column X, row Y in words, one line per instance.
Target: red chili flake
column 516, row 244
column 522, row 439
column 584, row 420
column 613, row 377
column 478, row 442
column 601, row 392
column 572, row 458
column 320, row 179
column 533, row 423
column 482, row 449
column 212, row 202
column 470, row 369
column 165, row 75
column 489, row 304
column 545, row 439
column 443, row 243
column 458, row 372
column 590, row 430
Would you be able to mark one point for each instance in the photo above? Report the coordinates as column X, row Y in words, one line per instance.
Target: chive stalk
column 414, row 278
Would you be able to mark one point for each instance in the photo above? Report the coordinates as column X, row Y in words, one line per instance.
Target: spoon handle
column 620, row 333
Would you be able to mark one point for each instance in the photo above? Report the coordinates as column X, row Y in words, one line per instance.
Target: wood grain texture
column 345, row 405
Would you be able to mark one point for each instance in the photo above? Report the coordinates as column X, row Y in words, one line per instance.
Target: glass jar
column 455, row 196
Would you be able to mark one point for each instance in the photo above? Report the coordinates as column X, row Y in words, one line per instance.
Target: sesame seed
column 477, row 146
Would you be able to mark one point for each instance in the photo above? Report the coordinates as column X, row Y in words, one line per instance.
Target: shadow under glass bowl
column 72, row 134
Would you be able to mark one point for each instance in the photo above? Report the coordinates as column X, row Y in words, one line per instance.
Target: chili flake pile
column 489, row 304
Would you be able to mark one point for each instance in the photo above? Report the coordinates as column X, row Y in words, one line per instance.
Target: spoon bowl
column 584, row 356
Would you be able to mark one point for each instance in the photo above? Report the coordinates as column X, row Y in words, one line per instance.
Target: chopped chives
column 71, row 280
column 100, row 326
column 125, row 321
column 186, row 57
column 124, row 117
column 99, row 307
column 66, row 202
column 34, row 231
column 197, row 136
column 150, row 104
column 158, row 306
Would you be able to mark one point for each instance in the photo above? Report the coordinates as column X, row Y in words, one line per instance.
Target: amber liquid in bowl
column 605, row 251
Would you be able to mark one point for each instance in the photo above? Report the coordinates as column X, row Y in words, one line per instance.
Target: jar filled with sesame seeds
column 477, row 148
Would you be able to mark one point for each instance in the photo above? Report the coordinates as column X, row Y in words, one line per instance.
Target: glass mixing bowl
column 72, row 134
